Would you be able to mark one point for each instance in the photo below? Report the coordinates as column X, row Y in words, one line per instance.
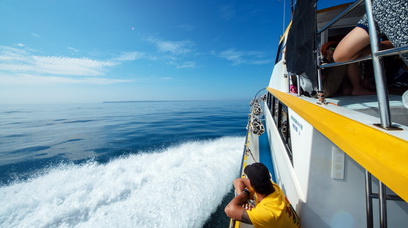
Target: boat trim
column 388, row 160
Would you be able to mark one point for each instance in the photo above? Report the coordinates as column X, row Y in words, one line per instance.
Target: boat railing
column 376, row 57
column 383, row 53
column 341, row 15
column 382, row 96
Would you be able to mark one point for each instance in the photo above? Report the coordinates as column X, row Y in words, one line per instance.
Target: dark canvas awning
column 300, row 58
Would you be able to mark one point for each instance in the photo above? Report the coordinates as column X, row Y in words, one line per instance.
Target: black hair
column 258, row 175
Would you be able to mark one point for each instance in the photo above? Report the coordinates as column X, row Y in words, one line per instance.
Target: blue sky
column 68, row 51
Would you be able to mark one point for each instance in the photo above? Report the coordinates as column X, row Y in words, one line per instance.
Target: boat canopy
column 301, row 42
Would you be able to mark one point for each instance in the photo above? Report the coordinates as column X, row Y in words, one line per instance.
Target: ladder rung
column 388, row 197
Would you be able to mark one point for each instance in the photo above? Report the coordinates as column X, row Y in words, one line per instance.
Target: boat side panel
column 335, row 201
column 382, row 153
column 342, row 200
column 321, row 198
column 285, row 176
column 277, row 81
column 301, row 135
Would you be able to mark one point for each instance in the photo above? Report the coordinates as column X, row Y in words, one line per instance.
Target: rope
column 249, row 151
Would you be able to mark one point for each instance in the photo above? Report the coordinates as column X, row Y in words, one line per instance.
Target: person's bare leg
column 354, row 76
column 353, row 46
column 346, row 87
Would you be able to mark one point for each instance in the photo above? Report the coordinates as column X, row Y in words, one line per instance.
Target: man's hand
column 248, row 206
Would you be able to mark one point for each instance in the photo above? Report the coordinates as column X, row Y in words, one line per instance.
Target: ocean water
column 135, row 164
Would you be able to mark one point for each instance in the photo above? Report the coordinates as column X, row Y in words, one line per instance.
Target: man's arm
column 245, row 218
column 240, row 184
column 235, row 210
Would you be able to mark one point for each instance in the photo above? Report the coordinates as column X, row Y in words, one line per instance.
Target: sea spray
column 179, row 186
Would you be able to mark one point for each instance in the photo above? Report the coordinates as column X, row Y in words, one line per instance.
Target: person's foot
column 366, row 84
column 346, row 91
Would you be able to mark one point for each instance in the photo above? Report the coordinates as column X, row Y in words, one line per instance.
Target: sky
column 82, row 51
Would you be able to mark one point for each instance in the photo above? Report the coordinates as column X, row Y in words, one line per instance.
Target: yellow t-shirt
column 274, row 211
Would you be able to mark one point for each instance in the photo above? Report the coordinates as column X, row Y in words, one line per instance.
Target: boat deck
column 369, row 105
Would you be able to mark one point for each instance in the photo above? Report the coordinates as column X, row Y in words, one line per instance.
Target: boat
column 342, row 161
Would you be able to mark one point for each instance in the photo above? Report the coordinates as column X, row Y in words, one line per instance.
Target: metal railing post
column 382, row 92
column 369, row 202
column 382, row 196
column 319, row 74
column 298, row 84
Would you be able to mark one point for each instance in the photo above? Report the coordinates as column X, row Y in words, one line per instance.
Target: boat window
column 284, row 129
column 275, row 111
column 269, row 101
column 280, row 115
column 281, row 49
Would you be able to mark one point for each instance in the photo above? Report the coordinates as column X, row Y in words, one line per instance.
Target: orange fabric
column 325, row 46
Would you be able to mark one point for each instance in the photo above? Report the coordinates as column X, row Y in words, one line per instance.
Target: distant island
column 141, row 101
column 149, row 101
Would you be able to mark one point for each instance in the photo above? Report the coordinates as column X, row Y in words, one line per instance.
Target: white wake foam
column 177, row 187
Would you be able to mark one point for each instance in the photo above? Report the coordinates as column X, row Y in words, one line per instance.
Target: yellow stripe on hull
column 383, row 155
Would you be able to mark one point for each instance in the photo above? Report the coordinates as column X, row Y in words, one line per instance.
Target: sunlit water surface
column 140, row 164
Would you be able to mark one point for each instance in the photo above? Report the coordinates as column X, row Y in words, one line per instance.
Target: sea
column 120, row 164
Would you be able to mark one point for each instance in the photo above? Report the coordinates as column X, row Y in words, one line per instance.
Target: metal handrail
column 330, row 65
column 388, row 197
column 380, row 81
column 382, row 92
column 383, row 204
column 392, row 51
column 369, row 202
column 341, row 15
column 383, row 53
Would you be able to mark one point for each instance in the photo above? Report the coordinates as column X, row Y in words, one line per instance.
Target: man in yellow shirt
column 272, row 208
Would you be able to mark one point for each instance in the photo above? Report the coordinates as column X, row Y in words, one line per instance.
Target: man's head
column 259, row 177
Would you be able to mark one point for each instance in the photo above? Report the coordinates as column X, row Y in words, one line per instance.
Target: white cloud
column 173, row 52
column 35, row 35
column 130, row 56
column 72, row 49
column 156, row 79
column 187, row 65
column 70, row 66
column 244, row 57
column 32, row 79
column 232, row 55
column 12, row 54
column 172, row 47
column 19, row 60
column 24, row 66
